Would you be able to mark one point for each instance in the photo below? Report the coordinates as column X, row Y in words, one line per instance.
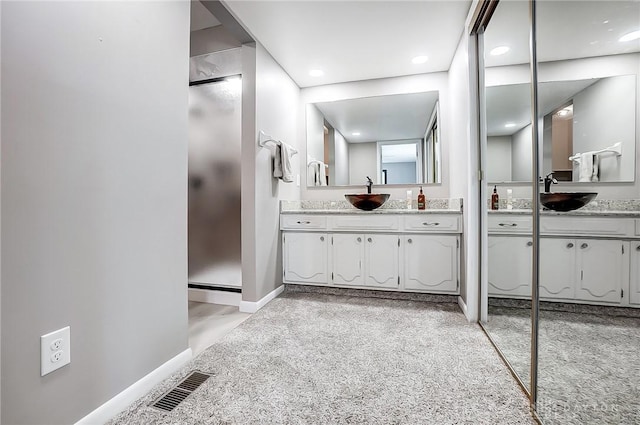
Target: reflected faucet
column 547, row 182
column 369, row 184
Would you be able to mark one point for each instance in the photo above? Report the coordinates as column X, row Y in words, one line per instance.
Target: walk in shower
column 215, row 96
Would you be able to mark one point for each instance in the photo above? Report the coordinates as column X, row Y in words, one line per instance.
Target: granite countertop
column 379, row 211
column 575, row 213
column 392, row 206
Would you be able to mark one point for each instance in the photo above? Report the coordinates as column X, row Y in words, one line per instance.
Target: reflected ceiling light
column 634, row 35
column 355, row 133
column 563, row 112
column 500, row 50
column 509, row 125
column 605, row 22
column 316, row 73
column 420, row 59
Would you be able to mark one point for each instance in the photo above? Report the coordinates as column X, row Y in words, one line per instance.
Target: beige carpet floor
column 326, row 359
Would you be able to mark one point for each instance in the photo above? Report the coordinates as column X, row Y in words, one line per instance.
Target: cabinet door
column 558, row 272
column 305, row 257
column 601, row 265
column 381, row 260
column 509, row 262
column 348, row 253
column 634, row 290
column 431, row 263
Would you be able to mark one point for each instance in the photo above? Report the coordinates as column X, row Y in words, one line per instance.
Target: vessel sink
column 368, row 201
column 566, row 201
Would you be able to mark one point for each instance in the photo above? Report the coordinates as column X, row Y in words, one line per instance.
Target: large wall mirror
column 580, row 117
column 393, row 139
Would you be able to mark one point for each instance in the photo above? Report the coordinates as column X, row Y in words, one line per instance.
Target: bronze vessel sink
column 566, row 201
column 367, row 201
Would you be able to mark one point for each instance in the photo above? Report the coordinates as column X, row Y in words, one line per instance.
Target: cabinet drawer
column 587, row 226
column 433, row 223
column 366, row 223
column 637, row 227
column 302, row 222
column 509, row 223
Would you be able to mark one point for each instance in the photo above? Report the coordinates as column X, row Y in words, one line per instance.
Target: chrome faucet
column 547, row 182
column 369, row 184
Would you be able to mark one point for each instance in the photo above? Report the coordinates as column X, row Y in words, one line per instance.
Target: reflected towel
column 595, row 173
column 322, row 173
column 586, row 167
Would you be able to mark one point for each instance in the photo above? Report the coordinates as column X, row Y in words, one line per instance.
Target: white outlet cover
column 47, row 361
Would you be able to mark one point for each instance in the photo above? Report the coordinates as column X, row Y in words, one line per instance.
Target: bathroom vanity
column 387, row 249
column 590, row 257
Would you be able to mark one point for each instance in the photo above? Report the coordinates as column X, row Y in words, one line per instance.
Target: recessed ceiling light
column 420, row 59
column 605, row 22
column 509, row 125
column 316, row 73
column 634, row 35
column 355, row 133
column 500, row 50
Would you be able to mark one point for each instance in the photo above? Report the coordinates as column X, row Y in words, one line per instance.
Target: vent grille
column 176, row 395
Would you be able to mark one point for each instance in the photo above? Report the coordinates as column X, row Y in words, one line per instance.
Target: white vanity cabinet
column 634, row 290
column 373, row 251
column 596, row 262
column 365, row 260
column 431, row 263
column 305, row 257
column 602, row 264
column 509, row 262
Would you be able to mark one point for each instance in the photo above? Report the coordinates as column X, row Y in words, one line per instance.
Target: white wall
column 499, row 159
column 380, row 87
column 362, row 163
column 341, row 164
column 521, row 155
column 212, row 39
column 276, row 113
column 94, row 198
column 603, row 114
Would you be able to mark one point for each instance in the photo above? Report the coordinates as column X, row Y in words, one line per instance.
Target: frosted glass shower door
column 214, row 182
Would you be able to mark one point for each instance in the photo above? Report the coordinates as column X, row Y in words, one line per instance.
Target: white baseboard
column 464, row 309
column 122, row 400
column 252, row 307
column 215, row 297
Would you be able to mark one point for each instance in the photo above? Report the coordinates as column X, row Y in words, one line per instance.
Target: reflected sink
column 367, row 201
column 566, row 201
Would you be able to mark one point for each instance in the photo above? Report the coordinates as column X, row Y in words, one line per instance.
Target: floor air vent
column 175, row 396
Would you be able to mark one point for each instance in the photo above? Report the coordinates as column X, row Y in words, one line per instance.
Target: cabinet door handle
column 359, row 239
column 369, row 240
column 584, row 245
column 569, row 245
column 409, row 240
column 508, row 224
column 426, row 223
column 322, row 238
column 638, row 248
column 529, row 243
column 304, row 222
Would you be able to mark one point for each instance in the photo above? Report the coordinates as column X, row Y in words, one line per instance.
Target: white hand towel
column 286, row 152
column 595, row 173
column 322, row 173
column 277, row 162
column 586, row 167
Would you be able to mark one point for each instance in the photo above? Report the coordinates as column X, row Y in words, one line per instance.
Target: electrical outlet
column 55, row 350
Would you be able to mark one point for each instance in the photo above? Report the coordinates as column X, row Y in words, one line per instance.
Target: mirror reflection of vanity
column 394, row 139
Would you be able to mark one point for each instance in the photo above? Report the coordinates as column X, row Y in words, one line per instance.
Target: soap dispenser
column 495, row 200
column 422, row 202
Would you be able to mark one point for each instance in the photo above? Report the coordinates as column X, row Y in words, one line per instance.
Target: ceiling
column 355, row 40
column 201, row 18
column 381, row 118
column 566, row 30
